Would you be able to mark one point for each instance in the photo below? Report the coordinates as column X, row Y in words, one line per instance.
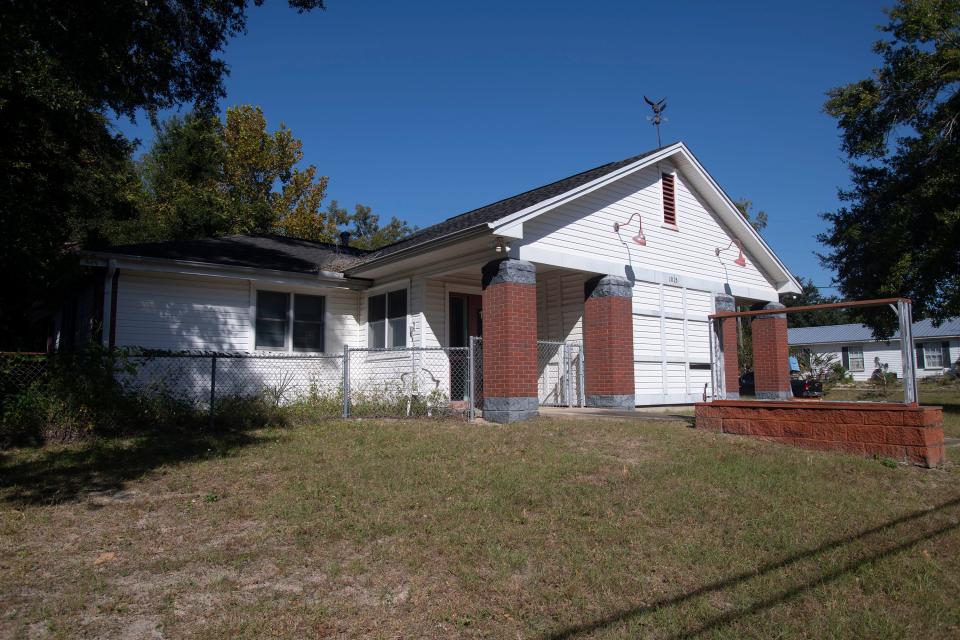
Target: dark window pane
column 376, row 308
column 272, row 319
column 376, row 334
column 397, row 303
column 308, row 323
column 307, row 336
column 307, row 308
column 398, row 332
column 272, row 305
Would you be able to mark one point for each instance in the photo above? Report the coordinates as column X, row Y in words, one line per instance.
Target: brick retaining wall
column 905, row 434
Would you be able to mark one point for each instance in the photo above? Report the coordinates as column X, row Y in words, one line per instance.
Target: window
column 272, row 311
column 298, row 317
column 387, row 320
column 852, row 358
column 669, row 199
column 936, row 355
column 308, row 322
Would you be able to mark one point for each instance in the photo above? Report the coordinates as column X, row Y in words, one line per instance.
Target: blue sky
column 428, row 109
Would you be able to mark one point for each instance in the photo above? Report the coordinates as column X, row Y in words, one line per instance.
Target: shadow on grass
column 837, row 571
column 64, row 474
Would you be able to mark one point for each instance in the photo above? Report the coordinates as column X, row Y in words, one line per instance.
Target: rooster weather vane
column 658, row 108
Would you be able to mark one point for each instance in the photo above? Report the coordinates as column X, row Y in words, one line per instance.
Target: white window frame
column 385, row 292
column 850, row 351
column 929, row 348
column 288, row 333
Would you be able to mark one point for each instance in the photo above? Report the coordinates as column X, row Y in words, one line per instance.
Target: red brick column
column 608, row 342
column 509, row 340
column 771, row 364
column 727, row 335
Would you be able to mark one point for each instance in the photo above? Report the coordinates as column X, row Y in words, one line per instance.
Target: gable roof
column 853, row 333
column 503, row 216
column 483, row 216
column 261, row 251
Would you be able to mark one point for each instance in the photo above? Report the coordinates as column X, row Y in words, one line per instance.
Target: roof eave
column 420, row 248
column 332, row 277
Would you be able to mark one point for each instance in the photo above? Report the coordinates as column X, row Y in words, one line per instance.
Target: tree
column 898, row 230
column 758, row 221
column 810, row 295
column 67, row 178
column 203, row 177
column 181, row 175
column 365, row 229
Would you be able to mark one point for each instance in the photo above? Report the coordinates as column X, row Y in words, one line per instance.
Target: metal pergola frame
column 902, row 307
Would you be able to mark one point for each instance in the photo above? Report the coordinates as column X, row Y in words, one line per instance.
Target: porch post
column 509, row 340
column 729, row 367
column 771, row 364
column 608, row 342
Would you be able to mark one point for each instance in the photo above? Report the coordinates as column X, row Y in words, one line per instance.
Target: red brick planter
column 905, row 434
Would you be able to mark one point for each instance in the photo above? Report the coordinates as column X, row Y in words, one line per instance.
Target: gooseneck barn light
column 740, row 261
column 640, row 239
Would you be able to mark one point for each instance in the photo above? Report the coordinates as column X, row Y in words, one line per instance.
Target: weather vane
column 658, row 108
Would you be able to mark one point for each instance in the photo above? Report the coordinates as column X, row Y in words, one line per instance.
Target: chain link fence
column 230, row 387
column 406, row 382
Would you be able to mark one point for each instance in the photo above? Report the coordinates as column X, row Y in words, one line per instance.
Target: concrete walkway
column 679, row 413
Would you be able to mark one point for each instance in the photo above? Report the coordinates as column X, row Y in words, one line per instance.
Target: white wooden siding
column 158, row 311
column 584, row 227
column 177, row 312
column 670, row 332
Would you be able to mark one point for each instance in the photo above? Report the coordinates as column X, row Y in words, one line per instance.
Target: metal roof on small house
column 852, row 333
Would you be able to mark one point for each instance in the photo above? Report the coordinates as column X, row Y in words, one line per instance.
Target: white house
column 657, row 219
column 853, row 345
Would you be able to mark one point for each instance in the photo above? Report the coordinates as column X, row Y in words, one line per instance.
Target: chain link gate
column 559, row 373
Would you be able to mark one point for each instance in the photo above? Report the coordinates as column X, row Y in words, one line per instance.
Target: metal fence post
column 213, row 388
column 583, row 389
column 346, row 381
column 472, row 391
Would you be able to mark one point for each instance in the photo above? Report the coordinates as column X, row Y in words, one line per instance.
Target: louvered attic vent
column 669, row 199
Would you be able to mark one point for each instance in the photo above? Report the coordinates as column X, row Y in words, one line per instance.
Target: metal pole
column 471, row 389
column 346, row 381
column 905, row 315
column 583, row 389
column 213, row 389
column 716, row 370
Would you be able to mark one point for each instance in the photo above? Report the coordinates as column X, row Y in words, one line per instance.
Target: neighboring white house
column 681, row 241
column 853, row 345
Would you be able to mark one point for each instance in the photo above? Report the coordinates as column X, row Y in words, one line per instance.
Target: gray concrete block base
column 774, row 395
column 504, row 410
column 626, row 402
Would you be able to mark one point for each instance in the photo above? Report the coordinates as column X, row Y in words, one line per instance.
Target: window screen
column 856, row 358
column 377, row 321
column 387, row 320
column 933, row 354
column 397, row 318
column 272, row 308
column 308, row 314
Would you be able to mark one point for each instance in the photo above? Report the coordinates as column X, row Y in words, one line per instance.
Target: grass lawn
column 547, row 529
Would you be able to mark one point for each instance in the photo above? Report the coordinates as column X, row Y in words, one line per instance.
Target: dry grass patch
column 548, row 529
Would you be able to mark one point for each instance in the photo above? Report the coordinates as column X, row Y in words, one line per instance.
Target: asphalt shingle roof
column 501, row 208
column 861, row 333
column 277, row 253
column 306, row 256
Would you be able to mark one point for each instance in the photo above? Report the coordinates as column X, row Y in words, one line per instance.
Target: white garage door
column 671, row 343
